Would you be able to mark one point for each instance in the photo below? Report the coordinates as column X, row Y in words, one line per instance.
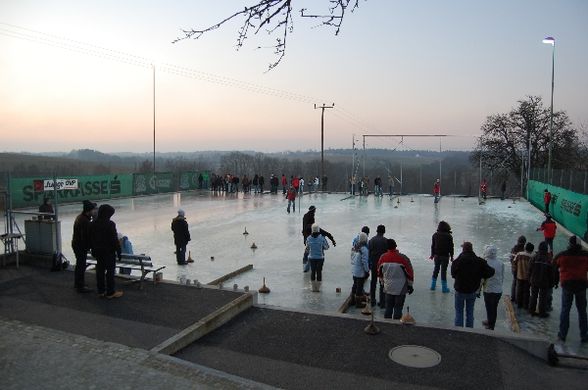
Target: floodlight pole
column 551, row 41
column 322, row 179
column 153, row 65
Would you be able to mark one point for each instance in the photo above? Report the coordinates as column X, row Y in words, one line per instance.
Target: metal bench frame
column 141, row 263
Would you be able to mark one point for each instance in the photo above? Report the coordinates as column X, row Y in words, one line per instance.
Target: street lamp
column 551, row 41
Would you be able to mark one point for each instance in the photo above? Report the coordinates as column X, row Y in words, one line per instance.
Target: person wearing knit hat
column 181, row 236
column 80, row 244
column 359, row 268
column 307, row 222
column 572, row 265
column 316, row 244
column 492, row 286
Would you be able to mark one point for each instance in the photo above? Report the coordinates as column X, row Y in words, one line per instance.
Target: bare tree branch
column 273, row 16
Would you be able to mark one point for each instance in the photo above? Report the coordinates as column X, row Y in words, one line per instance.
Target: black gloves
column 410, row 290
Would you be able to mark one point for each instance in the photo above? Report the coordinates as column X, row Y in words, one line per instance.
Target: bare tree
column 275, row 16
column 526, row 128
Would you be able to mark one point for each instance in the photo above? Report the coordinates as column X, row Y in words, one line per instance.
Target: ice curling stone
column 253, row 246
column 235, row 286
column 366, row 311
column 406, row 318
column 245, row 232
column 188, row 282
column 211, row 258
column 246, row 288
column 338, row 290
column 264, row 289
column 411, row 200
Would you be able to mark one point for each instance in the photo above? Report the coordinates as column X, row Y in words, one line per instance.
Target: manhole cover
column 415, row 356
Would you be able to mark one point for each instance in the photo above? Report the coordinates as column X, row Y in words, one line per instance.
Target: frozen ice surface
column 218, row 221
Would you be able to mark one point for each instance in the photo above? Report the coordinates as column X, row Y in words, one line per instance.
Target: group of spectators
column 229, row 183
column 391, row 273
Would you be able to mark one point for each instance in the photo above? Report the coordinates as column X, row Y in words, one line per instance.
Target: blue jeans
column 567, row 297
column 468, row 300
column 293, row 203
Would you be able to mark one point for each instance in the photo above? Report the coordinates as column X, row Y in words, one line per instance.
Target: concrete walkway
column 53, row 337
column 34, row 357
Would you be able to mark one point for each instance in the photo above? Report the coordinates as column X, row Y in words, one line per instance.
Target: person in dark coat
column 80, row 243
column 441, row 253
column 47, row 207
column 106, row 249
column 378, row 245
column 541, row 279
column 181, row 236
column 468, row 270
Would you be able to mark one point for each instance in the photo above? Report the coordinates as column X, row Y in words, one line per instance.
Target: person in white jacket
column 492, row 286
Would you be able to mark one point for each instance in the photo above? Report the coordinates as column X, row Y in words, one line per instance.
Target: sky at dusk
column 78, row 74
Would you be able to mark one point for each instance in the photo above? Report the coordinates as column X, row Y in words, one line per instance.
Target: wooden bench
column 140, row 263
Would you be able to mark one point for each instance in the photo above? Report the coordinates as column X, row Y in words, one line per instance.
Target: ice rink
column 217, row 223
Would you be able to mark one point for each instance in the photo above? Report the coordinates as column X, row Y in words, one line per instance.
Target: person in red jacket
column 437, row 190
column 284, row 184
column 546, row 200
column 397, row 275
column 573, row 266
column 291, row 196
column 484, row 189
column 548, row 227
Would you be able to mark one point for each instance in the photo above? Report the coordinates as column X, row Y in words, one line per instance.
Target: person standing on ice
column 492, row 286
column 307, row 222
column 484, row 189
column 437, row 190
column 522, row 263
column 181, row 236
column 573, row 267
column 468, row 270
column 284, row 184
column 316, row 245
column 546, row 200
column 520, row 246
column 377, row 246
column 396, row 272
column 291, row 196
column 542, row 278
column 441, row 252
column 359, row 269
column 548, row 227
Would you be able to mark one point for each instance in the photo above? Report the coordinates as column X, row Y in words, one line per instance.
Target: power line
column 23, row 33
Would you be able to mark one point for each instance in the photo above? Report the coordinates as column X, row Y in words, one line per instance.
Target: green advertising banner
column 149, row 184
column 568, row 208
column 189, row 181
column 27, row 191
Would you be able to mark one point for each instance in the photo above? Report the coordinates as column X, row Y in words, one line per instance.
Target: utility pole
column 323, row 141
